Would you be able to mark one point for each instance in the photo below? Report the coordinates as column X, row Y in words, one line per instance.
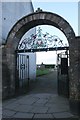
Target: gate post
column 11, row 65
column 74, row 76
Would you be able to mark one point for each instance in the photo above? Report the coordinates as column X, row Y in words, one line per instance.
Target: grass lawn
column 40, row 72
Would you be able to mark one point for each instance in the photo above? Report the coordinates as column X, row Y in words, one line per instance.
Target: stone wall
column 79, row 18
column 0, row 74
column 5, row 75
column 74, row 76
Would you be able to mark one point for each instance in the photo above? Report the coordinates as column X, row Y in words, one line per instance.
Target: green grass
column 41, row 72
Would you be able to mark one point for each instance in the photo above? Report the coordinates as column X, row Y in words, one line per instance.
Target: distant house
column 42, row 66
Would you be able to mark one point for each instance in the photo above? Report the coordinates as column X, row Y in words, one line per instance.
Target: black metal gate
column 22, row 69
column 63, row 77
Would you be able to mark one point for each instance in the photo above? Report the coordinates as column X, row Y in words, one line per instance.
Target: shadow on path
column 45, row 84
column 42, row 101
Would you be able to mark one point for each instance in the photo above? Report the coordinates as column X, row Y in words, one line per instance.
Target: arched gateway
column 46, row 18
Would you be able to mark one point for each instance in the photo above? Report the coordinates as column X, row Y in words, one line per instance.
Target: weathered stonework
column 5, row 75
column 74, row 76
column 74, row 69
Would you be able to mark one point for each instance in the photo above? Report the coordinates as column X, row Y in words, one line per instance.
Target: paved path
column 41, row 102
column 37, row 106
column 45, row 84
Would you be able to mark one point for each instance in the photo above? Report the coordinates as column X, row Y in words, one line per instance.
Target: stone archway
column 45, row 18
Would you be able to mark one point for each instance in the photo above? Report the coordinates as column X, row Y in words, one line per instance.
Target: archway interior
column 52, row 30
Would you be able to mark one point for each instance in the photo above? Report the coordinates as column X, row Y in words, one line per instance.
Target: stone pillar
column 11, row 67
column 5, row 75
column 8, row 72
column 74, row 74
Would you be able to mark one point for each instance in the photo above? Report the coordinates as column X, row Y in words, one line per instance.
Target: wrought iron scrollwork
column 40, row 40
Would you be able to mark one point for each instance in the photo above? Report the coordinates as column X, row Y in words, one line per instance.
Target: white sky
column 69, row 11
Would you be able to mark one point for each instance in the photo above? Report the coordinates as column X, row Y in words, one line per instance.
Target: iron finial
column 38, row 10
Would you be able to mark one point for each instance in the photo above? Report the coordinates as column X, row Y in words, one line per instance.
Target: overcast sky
column 67, row 10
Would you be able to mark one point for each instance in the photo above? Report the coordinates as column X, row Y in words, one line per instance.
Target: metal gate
column 22, row 69
column 63, row 78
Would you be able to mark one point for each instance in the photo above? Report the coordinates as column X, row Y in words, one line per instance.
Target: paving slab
column 57, row 109
column 63, row 115
column 27, row 101
column 57, row 100
column 6, row 117
column 8, row 113
column 23, row 115
column 51, row 105
column 23, row 108
column 11, row 106
column 43, row 101
column 43, row 116
column 39, row 110
column 37, row 105
column 31, row 96
column 43, row 95
column 9, row 101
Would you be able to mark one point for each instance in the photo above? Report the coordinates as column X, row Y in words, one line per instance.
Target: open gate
column 36, row 43
column 63, row 77
column 22, row 69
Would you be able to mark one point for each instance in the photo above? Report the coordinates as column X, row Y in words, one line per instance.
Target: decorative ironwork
column 40, row 41
column 39, row 10
column 22, row 66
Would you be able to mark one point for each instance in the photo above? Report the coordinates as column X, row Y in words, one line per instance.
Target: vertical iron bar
column 25, row 68
column 68, row 73
column 57, row 73
column 20, row 68
column 15, row 72
column 18, row 71
column 22, row 71
column 28, row 69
